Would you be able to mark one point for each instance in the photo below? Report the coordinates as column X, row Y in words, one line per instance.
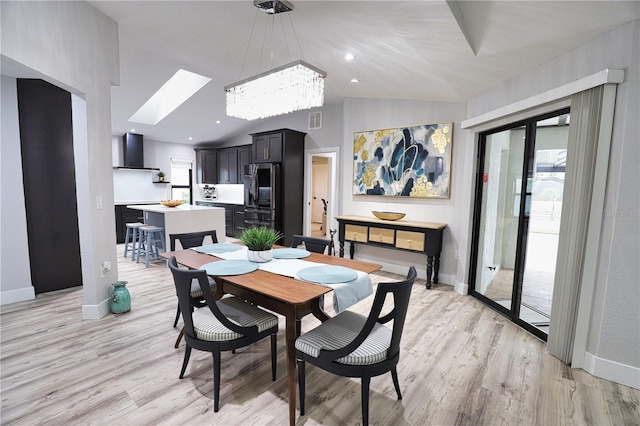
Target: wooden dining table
column 278, row 293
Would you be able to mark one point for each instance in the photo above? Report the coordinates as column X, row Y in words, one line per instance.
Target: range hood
column 132, row 144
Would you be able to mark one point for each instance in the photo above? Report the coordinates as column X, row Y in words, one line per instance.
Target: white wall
column 15, row 272
column 72, row 45
column 371, row 114
column 614, row 331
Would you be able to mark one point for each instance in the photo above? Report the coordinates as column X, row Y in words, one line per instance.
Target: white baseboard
column 611, row 370
column 94, row 312
column 461, row 288
column 18, row 295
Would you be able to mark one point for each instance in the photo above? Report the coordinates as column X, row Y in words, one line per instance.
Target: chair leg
column 394, row 376
column 187, row 354
column 273, row 356
column 179, row 338
column 301, row 383
column 175, row 323
column 216, row 380
column 365, row 400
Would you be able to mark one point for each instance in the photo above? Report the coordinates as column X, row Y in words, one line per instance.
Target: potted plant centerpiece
column 160, row 176
column 259, row 240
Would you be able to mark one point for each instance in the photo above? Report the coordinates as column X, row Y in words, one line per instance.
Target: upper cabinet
column 206, row 166
column 228, row 165
column 224, row 165
column 267, row 147
column 244, row 159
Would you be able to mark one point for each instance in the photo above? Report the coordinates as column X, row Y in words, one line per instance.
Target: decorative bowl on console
column 171, row 203
column 388, row 215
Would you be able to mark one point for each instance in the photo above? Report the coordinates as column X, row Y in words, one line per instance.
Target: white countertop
column 159, row 208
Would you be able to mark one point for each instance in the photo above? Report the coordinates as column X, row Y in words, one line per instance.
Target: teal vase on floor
column 120, row 298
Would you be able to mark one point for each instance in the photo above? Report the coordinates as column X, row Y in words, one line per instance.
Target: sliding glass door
column 517, row 218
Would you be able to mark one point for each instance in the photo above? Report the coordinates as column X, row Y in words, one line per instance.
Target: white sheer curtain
column 582, row 151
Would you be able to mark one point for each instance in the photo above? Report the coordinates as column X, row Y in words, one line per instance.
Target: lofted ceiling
column 445, row 51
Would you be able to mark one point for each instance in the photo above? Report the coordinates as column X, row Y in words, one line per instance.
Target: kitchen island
column 184, row 218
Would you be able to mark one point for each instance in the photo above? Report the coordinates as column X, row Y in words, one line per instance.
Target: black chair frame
column 189, row 240
column 182, row 280
column 326, row 360
column 314, row 244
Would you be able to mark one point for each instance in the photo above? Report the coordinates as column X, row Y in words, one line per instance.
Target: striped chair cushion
column 338, row 331
column 196, row 291
column 207, row 326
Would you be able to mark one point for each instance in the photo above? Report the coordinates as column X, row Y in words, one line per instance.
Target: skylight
column 170, row 96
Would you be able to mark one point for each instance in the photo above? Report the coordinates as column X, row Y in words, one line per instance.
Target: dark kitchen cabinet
column 286, row 148
column 267, row 147
column 125, row 215
column 228, row 165
column 206, row 166
column 238, row 220
column 244, row 159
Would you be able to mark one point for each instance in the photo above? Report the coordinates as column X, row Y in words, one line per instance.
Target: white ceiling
column 417, row 50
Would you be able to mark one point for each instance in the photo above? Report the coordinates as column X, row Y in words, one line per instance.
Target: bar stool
column 132, row 229
column 151, row 242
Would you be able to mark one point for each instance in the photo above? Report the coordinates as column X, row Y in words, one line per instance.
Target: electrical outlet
column 106, row 267
column 457, row 254
column 99, row 202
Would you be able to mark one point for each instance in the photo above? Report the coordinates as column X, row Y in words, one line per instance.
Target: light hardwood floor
column 461, row 363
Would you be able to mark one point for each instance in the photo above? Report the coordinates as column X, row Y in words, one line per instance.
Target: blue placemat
column 229, row 267
column 290, row 253
column 327, row 274
column 218, row 248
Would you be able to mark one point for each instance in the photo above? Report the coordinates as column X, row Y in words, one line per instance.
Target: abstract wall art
column 403, row 162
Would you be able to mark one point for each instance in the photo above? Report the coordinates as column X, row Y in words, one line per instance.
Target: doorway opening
column 519, row 193
column 320, row 205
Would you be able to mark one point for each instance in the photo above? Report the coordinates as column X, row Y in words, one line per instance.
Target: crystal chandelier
column 292, row 87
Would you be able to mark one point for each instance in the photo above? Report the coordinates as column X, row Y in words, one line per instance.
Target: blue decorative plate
column 218, row 248
column 290, row 253
column 327, row 274
column 229, row 267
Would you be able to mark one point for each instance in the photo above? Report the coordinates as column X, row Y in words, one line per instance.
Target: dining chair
column 188, row 240
column 352, row 345
column 223, row 325
column 314, row 244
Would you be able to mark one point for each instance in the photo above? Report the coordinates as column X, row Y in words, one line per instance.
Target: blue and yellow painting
column 403, row 162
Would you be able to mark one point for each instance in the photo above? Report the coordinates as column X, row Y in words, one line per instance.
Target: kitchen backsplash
column 226, row 193
column 130, row 185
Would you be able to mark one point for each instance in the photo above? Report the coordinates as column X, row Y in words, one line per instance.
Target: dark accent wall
column 46, row 139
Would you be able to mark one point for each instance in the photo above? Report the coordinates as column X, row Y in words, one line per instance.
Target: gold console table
column 421, row 237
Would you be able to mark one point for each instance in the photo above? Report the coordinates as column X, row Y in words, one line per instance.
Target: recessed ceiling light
column 190, row 138
column 132, row 130
column 170, row 96
column 217, row 121
column 349, row 57
column 355, row 80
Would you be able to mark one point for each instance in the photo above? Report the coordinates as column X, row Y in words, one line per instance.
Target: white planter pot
column 260, row 256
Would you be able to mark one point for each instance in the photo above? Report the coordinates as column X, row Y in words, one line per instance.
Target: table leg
column 436, row 268
column 429, row 270
column 341, row 248
column 352, row 249
column 290, row 338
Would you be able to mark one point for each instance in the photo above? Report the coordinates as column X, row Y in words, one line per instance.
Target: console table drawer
column 410, row 240
column 356, row 233
column 381, row 235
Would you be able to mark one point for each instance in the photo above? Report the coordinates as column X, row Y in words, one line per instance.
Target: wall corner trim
column 608, row 75
column 95, row 312
column 461, row 288
column 611, row 370
column 18, row 295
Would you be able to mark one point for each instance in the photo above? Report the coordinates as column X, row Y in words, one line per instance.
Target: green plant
column 161, row 174
column 260, row 238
